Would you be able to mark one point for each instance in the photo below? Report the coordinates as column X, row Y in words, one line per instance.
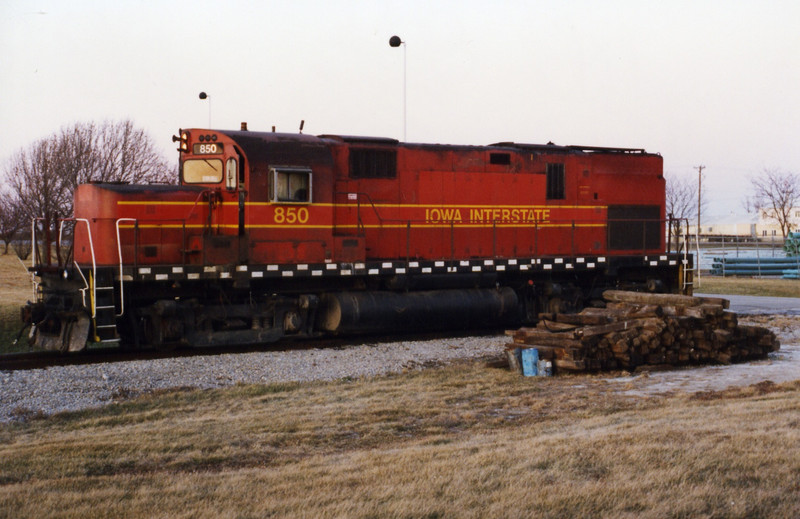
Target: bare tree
column 11, row 218
column 775, row 193
column 32, row 176
column 681, row 197
column 681, row 201
column 112, row 152
column 44, row 175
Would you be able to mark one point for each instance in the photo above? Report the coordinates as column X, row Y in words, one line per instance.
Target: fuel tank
column 368, row 312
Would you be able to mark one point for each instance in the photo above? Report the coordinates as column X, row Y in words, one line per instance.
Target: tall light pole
column 203, row 95
column 697, row 235
column 395, row 41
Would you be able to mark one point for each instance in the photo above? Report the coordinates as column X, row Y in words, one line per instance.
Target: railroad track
column 46, row 359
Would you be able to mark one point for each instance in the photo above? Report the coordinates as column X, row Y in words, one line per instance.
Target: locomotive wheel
column 152, row 336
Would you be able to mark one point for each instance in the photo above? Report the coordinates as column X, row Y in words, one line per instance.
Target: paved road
column 761, row 305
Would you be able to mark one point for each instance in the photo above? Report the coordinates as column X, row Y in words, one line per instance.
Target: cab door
column 235, row 183
column 348, row 230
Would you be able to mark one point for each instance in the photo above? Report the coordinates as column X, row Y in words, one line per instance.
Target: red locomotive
column 271, row 235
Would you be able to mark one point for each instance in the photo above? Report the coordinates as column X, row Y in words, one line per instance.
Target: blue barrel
column 530, row 362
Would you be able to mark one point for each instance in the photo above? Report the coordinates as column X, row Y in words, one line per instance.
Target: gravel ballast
column 35, row 392
column 30, row 393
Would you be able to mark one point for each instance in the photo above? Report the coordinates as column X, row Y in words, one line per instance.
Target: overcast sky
column 713, row 83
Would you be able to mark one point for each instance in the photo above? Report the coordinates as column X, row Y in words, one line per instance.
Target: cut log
column 555, row 326
column 703, row 311
column 722, row 336
column 585, row 319
column 620, row 346
column 570, row 365
column 662, row 299
column 513, row 361
column 561, row 342
column 615, row 327
column 635, row 311
column 635, row 329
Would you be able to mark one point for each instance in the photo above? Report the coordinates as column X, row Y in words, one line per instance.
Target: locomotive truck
column 274, row 235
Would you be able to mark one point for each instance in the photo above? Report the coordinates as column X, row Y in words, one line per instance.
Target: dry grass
column 744, row 286
column 459, row 441
column 15, row 282
column 15, row 291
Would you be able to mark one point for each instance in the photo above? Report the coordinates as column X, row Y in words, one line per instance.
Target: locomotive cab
column 210, row 161
column 274, row 191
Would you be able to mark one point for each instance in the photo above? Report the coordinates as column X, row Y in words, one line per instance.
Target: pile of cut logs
column 637, row 328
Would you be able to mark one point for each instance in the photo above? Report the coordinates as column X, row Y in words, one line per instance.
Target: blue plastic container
column 530, row 362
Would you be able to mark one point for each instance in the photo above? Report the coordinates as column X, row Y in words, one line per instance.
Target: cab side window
column 290, row 185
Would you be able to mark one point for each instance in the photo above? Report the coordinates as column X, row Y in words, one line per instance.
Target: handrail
column 34, row 249
column 93, row 285
column 696, row 266
column 697, row 245
column 371, row 203
column 34, row 253
column 119, row 253
column 684, row 248
column 85, row 282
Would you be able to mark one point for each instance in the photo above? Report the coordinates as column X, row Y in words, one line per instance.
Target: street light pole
column 395, row 41
column 203, row 95
column 697, row 234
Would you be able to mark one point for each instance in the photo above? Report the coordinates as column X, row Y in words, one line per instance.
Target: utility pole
column 697, row 229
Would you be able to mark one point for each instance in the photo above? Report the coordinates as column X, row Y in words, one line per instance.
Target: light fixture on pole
column 395, row 41
column 203, row 95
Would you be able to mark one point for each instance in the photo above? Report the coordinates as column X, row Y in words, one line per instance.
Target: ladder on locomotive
column 101, row 289
column 104, row 309
column 104, row 295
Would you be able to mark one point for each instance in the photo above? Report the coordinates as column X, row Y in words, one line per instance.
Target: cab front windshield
column 202, row 171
